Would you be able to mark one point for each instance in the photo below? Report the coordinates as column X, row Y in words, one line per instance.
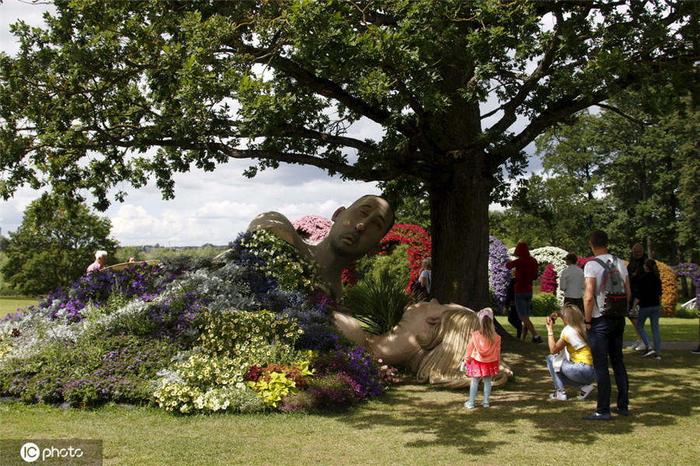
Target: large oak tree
column 283, row 81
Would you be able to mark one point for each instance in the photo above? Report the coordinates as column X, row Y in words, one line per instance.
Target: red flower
column 419, row 246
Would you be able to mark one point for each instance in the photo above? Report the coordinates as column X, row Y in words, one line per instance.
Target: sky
column 208, row 207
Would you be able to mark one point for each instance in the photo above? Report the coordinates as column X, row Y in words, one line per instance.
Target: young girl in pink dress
column 482, row 358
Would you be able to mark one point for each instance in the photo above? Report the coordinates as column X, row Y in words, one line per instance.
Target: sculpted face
column 360, row 227
column 419, row 319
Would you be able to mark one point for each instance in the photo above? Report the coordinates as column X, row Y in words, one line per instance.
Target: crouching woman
column 577, row 369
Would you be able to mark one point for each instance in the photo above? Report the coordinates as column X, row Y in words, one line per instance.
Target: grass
column 10, row 304
column 412, row 424
column 672, row 328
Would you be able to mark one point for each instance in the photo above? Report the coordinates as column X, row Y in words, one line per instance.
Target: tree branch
column 373, row 17
column 322, row 86
column 327, row 88
column 330, row 165
column 290, row 130
column 510, row 107
column 623, row 114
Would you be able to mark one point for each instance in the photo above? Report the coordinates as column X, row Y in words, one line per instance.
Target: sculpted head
column 360, row 227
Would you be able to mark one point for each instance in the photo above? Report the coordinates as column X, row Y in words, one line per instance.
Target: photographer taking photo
column 576, row 369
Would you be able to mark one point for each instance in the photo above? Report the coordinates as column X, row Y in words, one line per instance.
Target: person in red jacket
column 525, row 273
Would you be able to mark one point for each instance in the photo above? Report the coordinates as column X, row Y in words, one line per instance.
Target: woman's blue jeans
column 652, row 313
column 576, row 374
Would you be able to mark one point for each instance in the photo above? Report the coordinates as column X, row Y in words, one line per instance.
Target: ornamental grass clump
column 377, row 302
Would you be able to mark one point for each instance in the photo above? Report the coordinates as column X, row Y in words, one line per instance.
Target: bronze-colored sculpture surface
column 430, row 339
column 355, row 231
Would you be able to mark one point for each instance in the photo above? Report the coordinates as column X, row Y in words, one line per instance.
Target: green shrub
column 282, row 261
column 395, row 264
column 377, row 302
column 544, row 304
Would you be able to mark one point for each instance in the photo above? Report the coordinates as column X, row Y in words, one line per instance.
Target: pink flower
column 313, row 228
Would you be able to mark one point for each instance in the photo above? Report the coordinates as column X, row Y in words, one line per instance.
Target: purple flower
column 499, row 275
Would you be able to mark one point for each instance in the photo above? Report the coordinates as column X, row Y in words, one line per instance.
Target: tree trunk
column 459, row 205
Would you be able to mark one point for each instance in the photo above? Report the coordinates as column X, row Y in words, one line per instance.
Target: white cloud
column 214, row 207
column 13, row 10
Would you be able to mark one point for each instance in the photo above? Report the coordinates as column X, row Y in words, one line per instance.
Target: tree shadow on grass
column 660, row 393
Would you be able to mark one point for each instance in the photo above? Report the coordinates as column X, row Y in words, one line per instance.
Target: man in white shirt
column 605, row 332
column 571, row 282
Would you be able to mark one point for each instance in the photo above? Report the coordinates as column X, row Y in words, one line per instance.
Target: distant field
column 12, row 303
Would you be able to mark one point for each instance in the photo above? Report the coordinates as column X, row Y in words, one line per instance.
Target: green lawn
column 411, row 425
column 672, row 328
column 9, row 304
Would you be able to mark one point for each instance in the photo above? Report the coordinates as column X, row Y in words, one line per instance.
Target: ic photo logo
column 29, row 452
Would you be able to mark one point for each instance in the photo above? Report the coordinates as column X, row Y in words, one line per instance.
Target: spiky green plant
column 378, row 301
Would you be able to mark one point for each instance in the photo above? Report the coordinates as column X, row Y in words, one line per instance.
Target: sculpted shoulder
column 280, row 226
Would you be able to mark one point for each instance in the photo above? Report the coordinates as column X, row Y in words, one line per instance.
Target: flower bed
column 246, row 336
column 555, row 256
column 499, row 275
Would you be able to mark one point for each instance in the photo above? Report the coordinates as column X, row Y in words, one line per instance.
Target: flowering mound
column 247, row 335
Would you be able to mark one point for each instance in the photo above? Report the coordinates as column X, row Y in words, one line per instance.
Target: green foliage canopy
column 281, row 81
column 628, row 168
column 54, row 244
column 284, row 81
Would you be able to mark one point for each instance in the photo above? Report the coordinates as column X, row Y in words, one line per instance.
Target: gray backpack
column 613, row 286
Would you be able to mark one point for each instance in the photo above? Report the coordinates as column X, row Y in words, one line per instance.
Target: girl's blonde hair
column 573, row 317
column 487, row 329
column 445, row 348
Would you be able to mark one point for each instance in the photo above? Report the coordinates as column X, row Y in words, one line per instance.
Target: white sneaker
column 641, row 347
column 468, row 405
column 651, row 352
column 559, row 395
column 585, row 391
column 634, row 345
